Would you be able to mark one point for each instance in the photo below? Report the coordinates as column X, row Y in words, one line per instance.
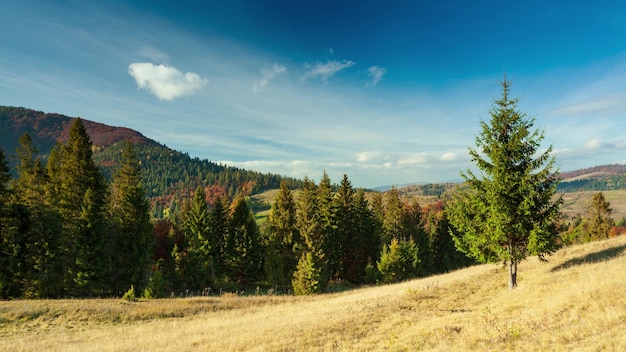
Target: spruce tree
column 218, row 234
column 132, row 232
column 81, row 194
column 282, row 239
column 365, row 246
column 326, row 213
column 399, row 261
column 344, row 234
column 244, row 251
column 314, row 240
column 392, row 223
column 508, row 212
column 600, row 220
column 41, row 269
column 306, row 278
column 412, row 228
column 378, row 212
column 5, row 176
column 197, row 273
column 445, row 256
column 9, row 235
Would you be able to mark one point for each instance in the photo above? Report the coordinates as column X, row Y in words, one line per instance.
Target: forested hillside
column 168, row 175
column 77, row 222
column 597, row 178
column 46, row 129
column 67, row 231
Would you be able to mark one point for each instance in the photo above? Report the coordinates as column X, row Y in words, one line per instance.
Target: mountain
column 169, row 175
column 48, row 129
column 597, row 178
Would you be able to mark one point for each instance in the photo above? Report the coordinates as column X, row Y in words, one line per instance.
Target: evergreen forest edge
column 204, row 239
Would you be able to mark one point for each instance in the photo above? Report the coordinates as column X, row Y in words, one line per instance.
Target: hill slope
column 575, row 301
column 597, row 178
column 168, row 175
column 47, row 129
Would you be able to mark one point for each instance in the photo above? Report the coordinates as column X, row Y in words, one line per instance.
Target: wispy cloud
column 326, row 70
column 165, row 82
column 268, row 75
column 376, row 73
column 449, row 156
column 369, row 156
column 604, row 105
column 597, row 143
column 153, row 54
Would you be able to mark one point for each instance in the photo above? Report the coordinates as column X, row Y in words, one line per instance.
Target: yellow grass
column 578, row 203
column 577, row 301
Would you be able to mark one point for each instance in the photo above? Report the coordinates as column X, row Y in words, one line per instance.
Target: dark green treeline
column 67, row 232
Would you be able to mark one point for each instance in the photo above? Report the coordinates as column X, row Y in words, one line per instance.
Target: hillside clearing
column 573, row 302
column 578, row 203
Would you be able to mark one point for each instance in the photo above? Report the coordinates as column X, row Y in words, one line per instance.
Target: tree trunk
column 512, row 275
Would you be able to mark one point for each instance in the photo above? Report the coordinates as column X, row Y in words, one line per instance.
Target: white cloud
column 268, row 75
column 165, row 82
column 413, row 159
column 449, row 156
column 327, row 70
column 364, row 157
column 375, row 73
column 597, row 144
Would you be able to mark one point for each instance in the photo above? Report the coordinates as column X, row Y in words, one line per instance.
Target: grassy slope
column 574, row 302
column 578, row 203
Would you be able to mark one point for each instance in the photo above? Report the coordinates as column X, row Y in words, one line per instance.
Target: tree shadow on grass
column 595, row 257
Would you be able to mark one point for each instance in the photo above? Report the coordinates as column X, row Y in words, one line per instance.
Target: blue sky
column 386, row 92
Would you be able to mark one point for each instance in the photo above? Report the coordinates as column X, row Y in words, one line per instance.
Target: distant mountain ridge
column 596, row 178
column 602, row 171
column 48, row 128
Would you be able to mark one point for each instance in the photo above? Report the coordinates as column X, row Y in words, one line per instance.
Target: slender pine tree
column 313, row 259
column 81, row 194
column 218, row 235
column 132, row 237
column 244, row 250
column 197, row 261
column 10, row 248
column 344, row 231
column 282, row 239
column 41, row 267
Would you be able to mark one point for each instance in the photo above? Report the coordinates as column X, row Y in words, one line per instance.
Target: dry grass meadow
column 576, row 301
column 578, row 203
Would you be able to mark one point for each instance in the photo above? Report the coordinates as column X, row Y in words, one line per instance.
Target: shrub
column 156, row 286
column 372, row 275
column 306, row 279
column 399, row 261
column 130, row 295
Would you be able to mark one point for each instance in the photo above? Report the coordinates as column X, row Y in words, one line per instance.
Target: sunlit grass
column 574, row 302
column 578, row 203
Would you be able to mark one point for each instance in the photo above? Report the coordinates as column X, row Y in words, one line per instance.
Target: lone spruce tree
column 507, row 212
